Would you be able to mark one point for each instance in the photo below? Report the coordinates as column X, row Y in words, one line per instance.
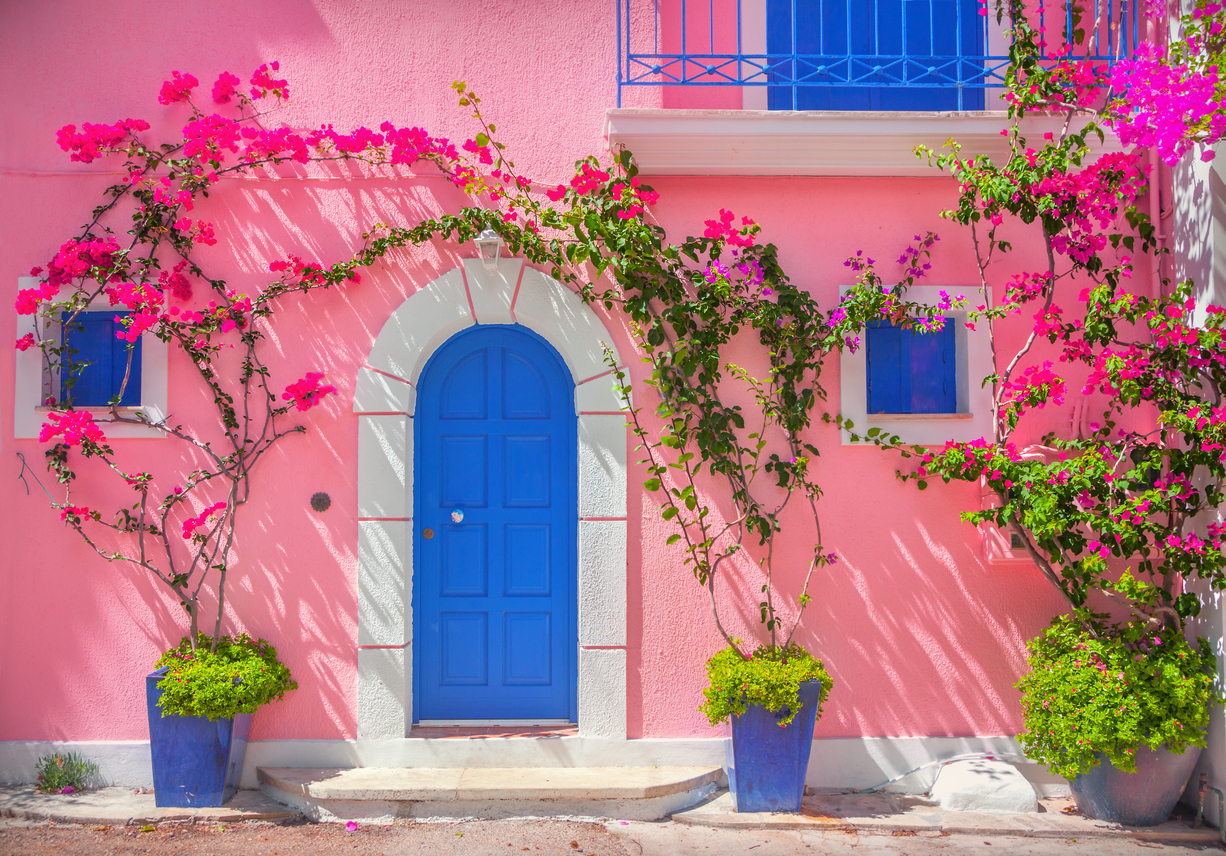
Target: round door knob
column 427, row 533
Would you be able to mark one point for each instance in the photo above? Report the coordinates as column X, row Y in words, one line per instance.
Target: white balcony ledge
column 776, row 142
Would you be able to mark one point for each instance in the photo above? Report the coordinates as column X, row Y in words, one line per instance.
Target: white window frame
column 33, row 382
column 973, row 418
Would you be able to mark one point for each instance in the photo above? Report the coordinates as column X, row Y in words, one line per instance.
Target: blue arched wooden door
column 495, row 527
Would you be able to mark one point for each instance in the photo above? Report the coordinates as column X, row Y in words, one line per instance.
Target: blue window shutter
column 911, row 371
column 100, row 361
column 933, row 366
column 885, row 345
column 119, row 365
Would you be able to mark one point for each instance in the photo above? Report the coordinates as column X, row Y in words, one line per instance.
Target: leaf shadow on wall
column 294, row 577
column 922, row 635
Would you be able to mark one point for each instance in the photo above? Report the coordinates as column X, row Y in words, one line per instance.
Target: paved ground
column 120, row 821
column 864, row 814
column 673, row 839
column 536, row 837
column 129, row 807
column 904, row 815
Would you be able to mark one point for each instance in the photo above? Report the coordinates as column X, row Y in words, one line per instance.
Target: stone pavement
column 834, row 824
column 675, row 839
column 904, row 814
column 538, row 837
column 129, row 807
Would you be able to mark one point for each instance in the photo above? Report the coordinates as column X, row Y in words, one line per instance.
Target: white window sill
column 919, row 417
column 126, row 410
column 102, row 414
column 780, row 142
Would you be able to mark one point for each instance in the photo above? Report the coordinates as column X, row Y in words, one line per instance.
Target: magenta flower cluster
column 191, row 524
column 76, row 426
column 1164, row 104
column 306, row 392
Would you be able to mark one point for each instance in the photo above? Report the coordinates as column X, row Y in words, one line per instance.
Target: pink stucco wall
column 920, row 634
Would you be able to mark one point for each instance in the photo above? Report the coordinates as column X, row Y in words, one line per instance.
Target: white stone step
column 381, row 794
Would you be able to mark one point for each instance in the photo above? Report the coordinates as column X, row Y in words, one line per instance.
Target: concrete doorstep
column 903, row 814
column 374, row 794
column 128, row 807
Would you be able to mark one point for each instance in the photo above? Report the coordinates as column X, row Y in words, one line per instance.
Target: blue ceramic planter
column 195, row 762
column 1143, row 798
column 766, row 764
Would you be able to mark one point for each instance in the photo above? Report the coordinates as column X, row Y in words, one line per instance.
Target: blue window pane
column 884, row 345
column 100, row 361
column 933, row 382
column 894, row 41
column 911, row 371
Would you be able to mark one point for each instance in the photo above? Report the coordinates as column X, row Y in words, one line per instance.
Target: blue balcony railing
column 845, row 54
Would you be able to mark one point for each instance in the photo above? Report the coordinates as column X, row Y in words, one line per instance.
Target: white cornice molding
column 776, row 142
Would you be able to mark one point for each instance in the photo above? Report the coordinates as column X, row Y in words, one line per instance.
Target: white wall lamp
column 489, row 248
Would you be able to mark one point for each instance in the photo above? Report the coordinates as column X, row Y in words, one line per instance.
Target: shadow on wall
column 294, row 569
column 1198, row 240
column 308, row 559
column 924, row 637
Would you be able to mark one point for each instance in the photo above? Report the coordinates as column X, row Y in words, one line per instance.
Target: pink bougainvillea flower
column 95, row 140
column 29, row 298
column 307, row 392
column 225, row 87
column 74, row 511
column 76, row 426
column 588, row 179
column 77, row 259
column 209, row 138
column 25, row 342
column 178, row 88
column 263, row 83
column 191, row 524
column 1164, row 103
column 178, row 284
column 723, row 228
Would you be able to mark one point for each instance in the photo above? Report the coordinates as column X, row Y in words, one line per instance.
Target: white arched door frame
column 384, row 400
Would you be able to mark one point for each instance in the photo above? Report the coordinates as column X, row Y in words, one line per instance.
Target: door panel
column 494, row 593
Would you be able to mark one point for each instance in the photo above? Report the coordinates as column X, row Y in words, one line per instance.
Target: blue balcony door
column 495, row 524
column 897, row 42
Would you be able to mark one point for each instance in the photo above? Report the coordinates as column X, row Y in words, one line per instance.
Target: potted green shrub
column 687, row 303
column 1121, row 709
column 200, row 700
